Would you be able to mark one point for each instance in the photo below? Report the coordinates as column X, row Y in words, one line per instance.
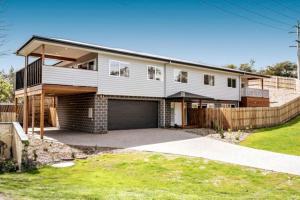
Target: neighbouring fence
column 8, row 112
column 275, row 82
column 243, row 118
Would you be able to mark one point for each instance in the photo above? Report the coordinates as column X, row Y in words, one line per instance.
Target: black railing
column 34, row 75
column 20, row 79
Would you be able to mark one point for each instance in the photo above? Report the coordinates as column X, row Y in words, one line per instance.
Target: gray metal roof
column 188, row 95
column 138, row 54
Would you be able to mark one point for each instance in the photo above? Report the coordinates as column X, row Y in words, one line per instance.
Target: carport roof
column 188, row 95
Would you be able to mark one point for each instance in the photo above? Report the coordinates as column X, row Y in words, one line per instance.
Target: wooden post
column 43, row 54
column 16, row 109
column 182, row 113
column 262, row 83
column 25, row 107
column 42, row 114
column 32, row 114
column 200, row 118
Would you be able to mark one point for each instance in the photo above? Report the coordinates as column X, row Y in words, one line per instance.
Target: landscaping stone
column 233, row 137
column 49, row 151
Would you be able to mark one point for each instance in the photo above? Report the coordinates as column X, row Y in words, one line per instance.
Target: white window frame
column 209, row 75
column 180, row 71
column 231, row 80
column 119, row 65
column 155, row 68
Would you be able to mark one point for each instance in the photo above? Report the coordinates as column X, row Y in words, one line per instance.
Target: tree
column 248, row 67
column 6, row 89
column 6, row 85
column 231, row 66
column 286, row 69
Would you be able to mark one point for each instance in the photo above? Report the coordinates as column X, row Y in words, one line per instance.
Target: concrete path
column 182, row 143
column 209, row 148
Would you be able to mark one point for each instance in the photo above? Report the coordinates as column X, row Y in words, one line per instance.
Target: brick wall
column 100, row 113
column 168, row 113
column 254, row 102
column 72, row 112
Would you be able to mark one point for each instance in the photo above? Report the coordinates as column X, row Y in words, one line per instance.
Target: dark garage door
column 132, row 114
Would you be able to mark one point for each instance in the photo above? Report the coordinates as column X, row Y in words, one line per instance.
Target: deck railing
column 34, row 75
column 38, row 74
column 253, row 92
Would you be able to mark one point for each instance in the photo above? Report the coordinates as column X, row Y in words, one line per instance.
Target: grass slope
column 149, row 176
column 282, row 139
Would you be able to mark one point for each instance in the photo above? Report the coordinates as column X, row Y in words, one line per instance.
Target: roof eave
column 45, row 39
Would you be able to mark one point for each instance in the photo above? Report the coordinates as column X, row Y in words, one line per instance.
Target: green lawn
column 282, row 139
column 149, row 176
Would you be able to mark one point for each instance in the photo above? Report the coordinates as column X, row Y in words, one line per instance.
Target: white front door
column 177, row 114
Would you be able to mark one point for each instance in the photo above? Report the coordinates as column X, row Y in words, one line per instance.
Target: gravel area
column 49, row 151
column 233, row 137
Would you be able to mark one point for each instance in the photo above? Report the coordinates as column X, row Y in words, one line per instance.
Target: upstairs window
column 117, row 68
column 209, row 80
column 231, row 82
column 155, row 73
column 180, row 76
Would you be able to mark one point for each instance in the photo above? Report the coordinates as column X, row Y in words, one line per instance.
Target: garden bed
column 234, row 137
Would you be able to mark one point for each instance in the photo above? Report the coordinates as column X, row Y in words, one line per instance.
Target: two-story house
column 97, row 88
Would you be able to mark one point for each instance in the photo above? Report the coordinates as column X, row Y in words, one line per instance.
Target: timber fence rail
column 275, row 82
column 8, row 112
column 243, row 118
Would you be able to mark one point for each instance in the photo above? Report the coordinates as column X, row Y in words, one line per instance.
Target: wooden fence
column 243, row 118
column 275, row 82
column 8, row 112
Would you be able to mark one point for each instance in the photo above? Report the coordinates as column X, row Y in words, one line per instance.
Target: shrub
column 7, row 166
column 237, row 137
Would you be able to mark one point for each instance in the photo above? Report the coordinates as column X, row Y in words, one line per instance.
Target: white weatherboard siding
column 195, row 83
column 137, row 84
column 69, row 76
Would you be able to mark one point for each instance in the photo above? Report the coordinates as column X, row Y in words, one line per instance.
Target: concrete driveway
column 182, row 143
column 119, row 139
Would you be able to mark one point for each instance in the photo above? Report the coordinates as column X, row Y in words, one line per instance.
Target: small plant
column 237, row 137
column 73, row 155
column 221, row 132
column 7, row 166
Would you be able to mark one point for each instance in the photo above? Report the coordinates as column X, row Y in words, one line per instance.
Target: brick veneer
column 72, row 111
column 100, row 113
column 255, row 102
column 167, row 113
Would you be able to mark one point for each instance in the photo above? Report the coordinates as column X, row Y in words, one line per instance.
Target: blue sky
column 211, row 31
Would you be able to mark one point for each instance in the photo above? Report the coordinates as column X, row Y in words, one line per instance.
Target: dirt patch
column 4, row 197
column 233, row 137
column 49, row 151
